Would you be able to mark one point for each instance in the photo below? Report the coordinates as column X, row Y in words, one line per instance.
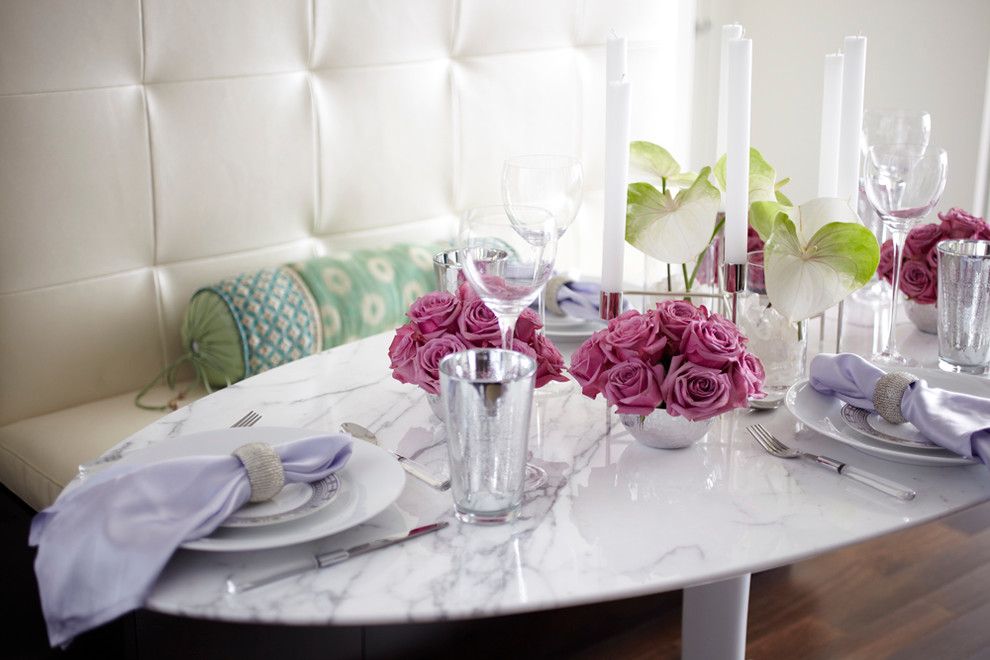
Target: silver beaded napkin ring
column 888, row 394
column 264, row 469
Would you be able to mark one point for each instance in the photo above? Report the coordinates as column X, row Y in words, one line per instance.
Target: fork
column 250, row 419
column 89, row 467
column 777, row 448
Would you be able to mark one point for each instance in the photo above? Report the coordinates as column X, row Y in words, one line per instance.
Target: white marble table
column 616, row 520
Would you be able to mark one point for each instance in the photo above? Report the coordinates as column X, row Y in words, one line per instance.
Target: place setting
column 244, row 488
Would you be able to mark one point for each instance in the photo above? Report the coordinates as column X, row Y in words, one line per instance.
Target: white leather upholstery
column 148, row 147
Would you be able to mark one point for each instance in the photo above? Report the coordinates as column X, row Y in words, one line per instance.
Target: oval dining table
column 615, row 519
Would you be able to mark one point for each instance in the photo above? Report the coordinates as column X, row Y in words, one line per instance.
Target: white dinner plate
column 824, row 414
column 370, row 482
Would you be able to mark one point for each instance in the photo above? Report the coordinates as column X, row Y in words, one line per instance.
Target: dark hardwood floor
column 919, row 594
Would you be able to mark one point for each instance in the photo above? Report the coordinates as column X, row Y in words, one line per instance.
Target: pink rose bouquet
column 441, row 323
column 919, row 267
column 677, row 356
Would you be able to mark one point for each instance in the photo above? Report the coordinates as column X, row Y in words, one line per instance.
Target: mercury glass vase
column 436, row 405
column 924, row 317
column 663, row 431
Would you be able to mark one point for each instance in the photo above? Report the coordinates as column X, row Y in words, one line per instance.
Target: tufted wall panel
column 148, row 147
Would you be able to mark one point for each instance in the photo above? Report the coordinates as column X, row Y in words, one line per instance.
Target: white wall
column 920, row 55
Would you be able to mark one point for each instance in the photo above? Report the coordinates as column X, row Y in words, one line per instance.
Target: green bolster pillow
column 364, row 292
column 252, row 322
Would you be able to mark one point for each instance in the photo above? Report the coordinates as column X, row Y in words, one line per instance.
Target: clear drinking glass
column 886, row 126
column 903, row 184
column 550, row 181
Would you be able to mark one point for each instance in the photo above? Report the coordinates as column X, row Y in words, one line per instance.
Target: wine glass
column 903, row 184
column 550, row 181
column 886, row 126
column 527, row 237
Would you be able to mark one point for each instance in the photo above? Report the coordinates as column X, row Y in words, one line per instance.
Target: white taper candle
column 828, row 154
column 851, row 124
column 737, row 149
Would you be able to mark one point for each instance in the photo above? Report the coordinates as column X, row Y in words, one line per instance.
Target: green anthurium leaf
column 763, row 216
column 653, row 159
column 672, row 229
column 804, row 279
column 762, row 177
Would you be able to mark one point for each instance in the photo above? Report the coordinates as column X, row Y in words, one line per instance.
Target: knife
column 329, row 559
column 411, row 466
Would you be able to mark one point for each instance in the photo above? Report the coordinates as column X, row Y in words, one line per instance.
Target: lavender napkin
column 581, row 300
column 102, row 546
column 958, row 422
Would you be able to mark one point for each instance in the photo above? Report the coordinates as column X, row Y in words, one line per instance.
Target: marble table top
column 616, row 519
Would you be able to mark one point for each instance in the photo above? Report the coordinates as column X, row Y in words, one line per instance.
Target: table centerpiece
column 919, row 267
column 811, row 256
column 669, row 371
column 441, row 323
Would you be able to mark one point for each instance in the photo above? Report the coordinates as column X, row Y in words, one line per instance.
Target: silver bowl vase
column 663, row 431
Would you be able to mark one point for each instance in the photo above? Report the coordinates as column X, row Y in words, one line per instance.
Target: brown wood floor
column 923, row 593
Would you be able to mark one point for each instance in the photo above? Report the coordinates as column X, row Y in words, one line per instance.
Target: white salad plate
column 824, row 414
column 293, row 501
column 370, row 481
column 873, row 425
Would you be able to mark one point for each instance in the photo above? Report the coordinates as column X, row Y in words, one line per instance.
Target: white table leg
column 713, row 620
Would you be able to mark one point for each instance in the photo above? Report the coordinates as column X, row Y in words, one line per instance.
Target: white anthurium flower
column 672, row 228
column 815, row 255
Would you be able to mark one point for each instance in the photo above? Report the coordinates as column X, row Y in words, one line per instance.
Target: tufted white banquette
column 148, row 147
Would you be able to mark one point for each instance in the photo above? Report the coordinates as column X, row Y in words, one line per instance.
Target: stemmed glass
column 527, row 237
column 887, row 126
column 903, row 183
column 549, row 181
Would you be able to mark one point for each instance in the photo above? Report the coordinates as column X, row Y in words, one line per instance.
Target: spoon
column 411, row 466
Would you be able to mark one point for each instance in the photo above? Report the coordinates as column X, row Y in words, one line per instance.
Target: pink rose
column 931, row 260
column 427, row 361
column 920, row 240
column 674, row 316
column 527, row 324
column 753, row 240
column 712, row 342
column 634, row 387
column 466, row 293
column 957, row 223
column 698, row 392
column 478, row 324
column 750, row 370
column 918, row 282
column 435, row 313
column 633, row 335
column 402, row 352
column 588, row 363
column 885, row 268
column 549, row 361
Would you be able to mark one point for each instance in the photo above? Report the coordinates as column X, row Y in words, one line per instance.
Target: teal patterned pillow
column 364, row 292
